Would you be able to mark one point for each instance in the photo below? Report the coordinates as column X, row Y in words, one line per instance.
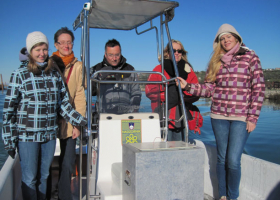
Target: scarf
column 173, row 93
column 42, row 65
column 66, row 59
column 228, row 56
column 168, row 67
column 36, row 67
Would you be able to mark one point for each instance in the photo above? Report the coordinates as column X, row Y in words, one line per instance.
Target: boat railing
column 94, row 78
column 122, row 15
column 164, row 82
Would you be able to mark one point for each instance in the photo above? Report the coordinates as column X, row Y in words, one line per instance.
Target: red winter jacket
column 152, row 92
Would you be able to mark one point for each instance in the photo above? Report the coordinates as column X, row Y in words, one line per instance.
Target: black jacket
column 116, row 98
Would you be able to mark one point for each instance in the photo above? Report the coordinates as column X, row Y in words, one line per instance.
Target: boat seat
column 117, row 174
column 114, row 130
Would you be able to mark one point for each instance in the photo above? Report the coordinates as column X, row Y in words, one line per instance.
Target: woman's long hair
column 166, row 51
column 215, row 61
column 32, row 66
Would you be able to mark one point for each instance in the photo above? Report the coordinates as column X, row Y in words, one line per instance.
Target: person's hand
column 250, row 127
column 182, row 82
column 76, row 133
column 12, row 153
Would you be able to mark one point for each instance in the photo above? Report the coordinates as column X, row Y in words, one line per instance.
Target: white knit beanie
column 225, row 28
column 35, row 38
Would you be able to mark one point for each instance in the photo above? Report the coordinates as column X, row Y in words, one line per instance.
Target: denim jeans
column 66, row 167
column 35, row 161
column 231, row 137
column 176, row 135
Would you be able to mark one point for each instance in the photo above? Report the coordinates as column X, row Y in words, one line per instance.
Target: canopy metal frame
column 122, row 15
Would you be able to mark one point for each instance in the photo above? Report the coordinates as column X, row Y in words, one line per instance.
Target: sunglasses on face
column 178, row 50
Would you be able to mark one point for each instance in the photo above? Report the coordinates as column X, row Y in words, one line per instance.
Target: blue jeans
column 231, row 137
column 66, row 167
column 176, row 135
column 35, row 161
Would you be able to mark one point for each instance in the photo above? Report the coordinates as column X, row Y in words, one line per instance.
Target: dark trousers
column 66, row 167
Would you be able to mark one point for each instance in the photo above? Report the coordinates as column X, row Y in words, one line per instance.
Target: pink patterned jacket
column 239, row 87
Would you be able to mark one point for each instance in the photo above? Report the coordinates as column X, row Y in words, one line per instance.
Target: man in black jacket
column 115, row 98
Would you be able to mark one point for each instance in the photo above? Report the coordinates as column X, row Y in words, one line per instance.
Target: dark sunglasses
column 179, row 51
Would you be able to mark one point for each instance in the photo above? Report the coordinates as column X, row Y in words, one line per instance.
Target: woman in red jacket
column 176, row 130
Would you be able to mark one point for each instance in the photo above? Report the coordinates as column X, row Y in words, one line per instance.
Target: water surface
column 263, row 142
column 3, row 153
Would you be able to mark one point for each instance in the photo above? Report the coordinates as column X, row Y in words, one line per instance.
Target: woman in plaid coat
column 35, row 97
column 235, row 83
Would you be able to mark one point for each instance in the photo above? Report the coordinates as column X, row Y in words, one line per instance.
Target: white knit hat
column 35, row 38
column 225, row 28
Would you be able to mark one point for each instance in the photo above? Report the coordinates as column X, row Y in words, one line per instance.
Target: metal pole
column 177, row 74
column 82, row 42
column 151, row 27
column 82, row 57
column 87, row 66
column 81, row 135
column 165, row 131
column 80, row 164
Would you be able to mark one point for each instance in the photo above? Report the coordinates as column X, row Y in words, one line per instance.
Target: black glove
column 12, row 153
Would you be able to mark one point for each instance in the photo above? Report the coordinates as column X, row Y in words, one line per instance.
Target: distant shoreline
column 272, row 93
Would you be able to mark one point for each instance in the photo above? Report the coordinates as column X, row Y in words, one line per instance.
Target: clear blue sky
column 195, row 24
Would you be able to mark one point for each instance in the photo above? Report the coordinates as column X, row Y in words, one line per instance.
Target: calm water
column 264, row 141
column 3, row 154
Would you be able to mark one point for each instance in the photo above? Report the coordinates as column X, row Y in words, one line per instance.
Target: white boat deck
column 260, row 179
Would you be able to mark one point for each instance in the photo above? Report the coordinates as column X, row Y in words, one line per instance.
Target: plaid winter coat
column 32, row 105
column 239, row 87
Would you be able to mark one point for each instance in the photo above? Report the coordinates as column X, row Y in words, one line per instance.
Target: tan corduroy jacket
column 76, row 95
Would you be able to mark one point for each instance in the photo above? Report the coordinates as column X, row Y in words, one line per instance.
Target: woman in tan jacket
column 71, row 69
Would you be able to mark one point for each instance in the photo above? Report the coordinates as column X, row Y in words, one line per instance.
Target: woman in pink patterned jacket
column 235, row 83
